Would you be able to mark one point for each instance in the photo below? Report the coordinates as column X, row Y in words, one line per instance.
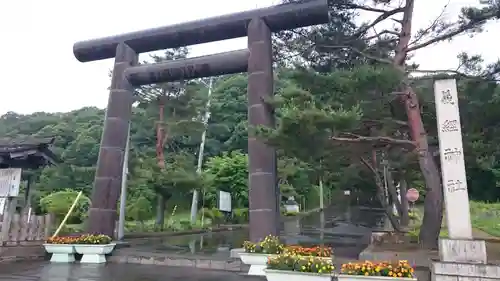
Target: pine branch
column 431, row 27
column 385, row 15
column 357, row 139
column 386, row 120
column 359, row 52
column 379, row 34
column 450, row 72
column 459, row 30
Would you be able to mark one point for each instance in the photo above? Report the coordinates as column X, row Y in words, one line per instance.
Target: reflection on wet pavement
column 113, row 272
column 346, row 231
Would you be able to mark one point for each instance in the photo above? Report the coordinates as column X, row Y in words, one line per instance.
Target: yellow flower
column 367, row 274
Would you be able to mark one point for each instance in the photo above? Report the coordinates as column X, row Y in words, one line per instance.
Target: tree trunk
column 159, row 136
column 393, row 193
column 403, row 187
column 433, row 203
column 160, row 206
column 160, row 212
column 433, row 211
column 381, row 197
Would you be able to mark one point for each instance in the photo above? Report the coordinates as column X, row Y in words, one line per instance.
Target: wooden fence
column 22, row 229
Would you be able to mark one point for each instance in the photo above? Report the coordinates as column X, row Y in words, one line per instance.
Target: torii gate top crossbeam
column 278, row 18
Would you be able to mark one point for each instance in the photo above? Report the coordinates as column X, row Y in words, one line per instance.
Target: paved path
column 42, row 271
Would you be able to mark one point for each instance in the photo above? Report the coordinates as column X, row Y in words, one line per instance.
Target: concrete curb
column 162, row 259
column 143, row 235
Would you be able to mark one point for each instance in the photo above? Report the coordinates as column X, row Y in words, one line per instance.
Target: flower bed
column 293, row 267
column 316, row 251
column 95, row 239
column 399, row 270
column 62, row 240
column 271, row 245
column 92, row 246
column 256, row 254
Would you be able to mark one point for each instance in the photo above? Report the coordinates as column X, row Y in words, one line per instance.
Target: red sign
column 412, row 195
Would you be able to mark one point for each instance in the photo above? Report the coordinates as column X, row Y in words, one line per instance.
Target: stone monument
column 461, row 257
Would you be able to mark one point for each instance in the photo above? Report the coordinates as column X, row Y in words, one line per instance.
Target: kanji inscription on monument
column 452, row 160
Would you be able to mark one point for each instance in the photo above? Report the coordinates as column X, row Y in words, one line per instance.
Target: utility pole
column 123, row 194
column 194, row 202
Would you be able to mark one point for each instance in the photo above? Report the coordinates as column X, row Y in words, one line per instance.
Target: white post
column 322, row 212
column 452, row 160
column 194, row 202
column 123, row 194
column 321, row 202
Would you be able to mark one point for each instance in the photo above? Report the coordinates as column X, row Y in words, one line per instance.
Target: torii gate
column 258, row 26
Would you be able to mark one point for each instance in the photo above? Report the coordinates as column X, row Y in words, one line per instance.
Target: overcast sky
column 40, row 73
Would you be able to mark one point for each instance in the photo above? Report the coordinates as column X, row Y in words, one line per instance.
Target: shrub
column 185, row 224
column 240, row 216
column 59, row 203
column 215, row 216
column 140, row 209
column 413, row 215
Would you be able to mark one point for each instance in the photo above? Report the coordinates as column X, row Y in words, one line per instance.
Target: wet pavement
column 42, row 271
column 347, row 230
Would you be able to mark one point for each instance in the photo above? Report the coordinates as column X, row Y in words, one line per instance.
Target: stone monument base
column 463, row 260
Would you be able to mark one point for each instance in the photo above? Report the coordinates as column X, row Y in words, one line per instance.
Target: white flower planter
column 257, row 262
column 283, row 275
column 94, row 253
column 60, row 252
column 343, row 277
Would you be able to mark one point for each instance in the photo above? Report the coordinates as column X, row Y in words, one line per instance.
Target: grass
column 484, row 217
column 177, row 222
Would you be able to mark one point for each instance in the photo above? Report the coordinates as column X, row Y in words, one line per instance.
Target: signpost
column 225, row 205
column 412, row 195
column 10, row 180
column 225, row 201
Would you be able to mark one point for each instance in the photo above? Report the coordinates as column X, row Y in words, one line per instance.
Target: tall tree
column 394, row 46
